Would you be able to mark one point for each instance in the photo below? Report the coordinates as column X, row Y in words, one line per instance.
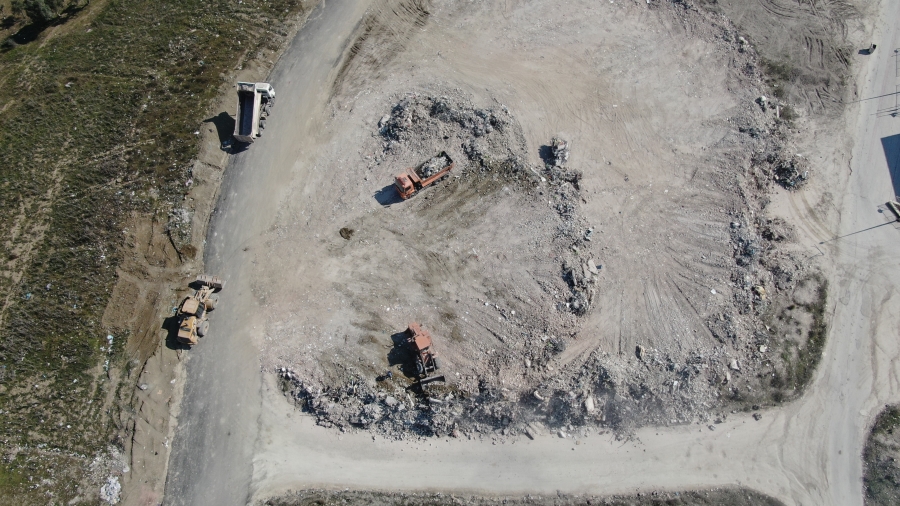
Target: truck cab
column 266, row 90
column 405, row 185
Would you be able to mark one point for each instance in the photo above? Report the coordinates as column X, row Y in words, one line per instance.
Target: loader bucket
column 213, row 282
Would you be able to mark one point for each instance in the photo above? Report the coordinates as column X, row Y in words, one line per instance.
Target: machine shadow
column 546, row 154
column 891, row 146
column 400, row 355
column 170, row 325
column 224, row 124
column 387, row 196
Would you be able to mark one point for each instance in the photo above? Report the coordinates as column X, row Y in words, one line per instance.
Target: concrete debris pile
column 391, row 409
column 111, row 490
column 523, row 370
column 581, row 275
column 791, row 173
column 434, row 165
column 582, row 278
column 559, row 149
column 489, row 137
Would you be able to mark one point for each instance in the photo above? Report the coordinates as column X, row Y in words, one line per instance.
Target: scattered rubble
column 661, row 387
column 110, row 490
column 528, row 367
column 791, row 173
column 560, row 151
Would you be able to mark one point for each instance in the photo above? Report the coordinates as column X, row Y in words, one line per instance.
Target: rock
column 538, row 396
column 763, row 348
column 562, row 435
column 589, row 404
column 640, row 351
column 734, row 365
column 391, row 401
column 144, row 386
column 384, row 120
column 760, row 291
column 727, row 377
column 592, row 267
column 757, row 416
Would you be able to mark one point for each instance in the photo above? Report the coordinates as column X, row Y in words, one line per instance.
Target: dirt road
column 235, row 422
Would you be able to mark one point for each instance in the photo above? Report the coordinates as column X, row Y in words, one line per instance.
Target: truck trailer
column 254, row 103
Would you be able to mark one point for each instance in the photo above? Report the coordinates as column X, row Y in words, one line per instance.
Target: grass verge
column 730, row 496
column 881, row 460
column 800, row 357
column 97, row 124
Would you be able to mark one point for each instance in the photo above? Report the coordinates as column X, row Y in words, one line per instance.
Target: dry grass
column 97, row 123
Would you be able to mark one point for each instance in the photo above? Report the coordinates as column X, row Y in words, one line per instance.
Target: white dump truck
column 254, row 102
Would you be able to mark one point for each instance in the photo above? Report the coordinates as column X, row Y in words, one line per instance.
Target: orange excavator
column 412, row 180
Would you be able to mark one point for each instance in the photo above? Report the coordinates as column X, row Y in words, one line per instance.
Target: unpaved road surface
column 238, row 439
column 212, row 454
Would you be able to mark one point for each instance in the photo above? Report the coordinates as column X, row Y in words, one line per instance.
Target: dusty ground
column 308, row 178
column 672, row 158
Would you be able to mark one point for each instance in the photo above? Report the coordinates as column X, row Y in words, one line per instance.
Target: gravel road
column 218, row 424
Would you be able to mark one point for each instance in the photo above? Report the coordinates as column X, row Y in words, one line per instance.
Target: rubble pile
column 688, row 382
column 396, row 412
column 489, row 137
column 560, row 151
column 582, row 278
column 791, row 173
column 434, row 165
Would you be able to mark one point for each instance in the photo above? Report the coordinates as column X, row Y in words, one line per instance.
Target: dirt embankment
column 643, row 281
column 733, row 496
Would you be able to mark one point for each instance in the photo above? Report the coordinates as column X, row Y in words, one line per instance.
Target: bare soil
column 697, row 302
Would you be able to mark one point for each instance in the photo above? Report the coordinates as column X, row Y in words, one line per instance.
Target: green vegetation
column 881, row 459
column 96, row 123
column 800, row 359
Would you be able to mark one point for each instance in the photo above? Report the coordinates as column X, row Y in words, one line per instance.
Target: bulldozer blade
column 895, row 208
column 432, row 380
